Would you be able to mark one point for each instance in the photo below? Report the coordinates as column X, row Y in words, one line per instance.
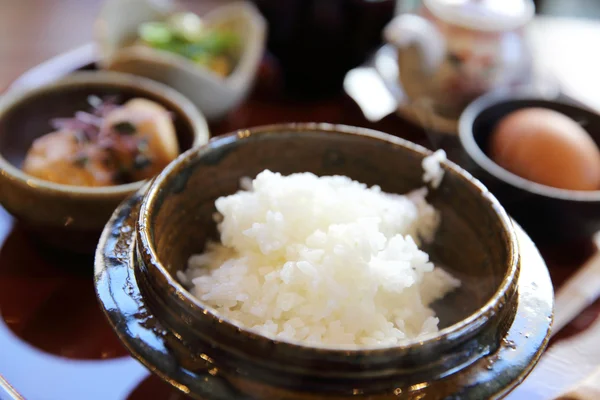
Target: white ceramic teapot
column 455, row 50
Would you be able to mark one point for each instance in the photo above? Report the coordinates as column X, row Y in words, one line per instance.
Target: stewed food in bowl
column 109, row 145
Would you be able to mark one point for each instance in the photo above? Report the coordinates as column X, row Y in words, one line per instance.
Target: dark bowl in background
column 476, row 242
column 316, row 42
column 547, row 214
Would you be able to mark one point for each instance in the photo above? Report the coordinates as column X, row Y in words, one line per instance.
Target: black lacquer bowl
column 493, row 328
column 548, row 214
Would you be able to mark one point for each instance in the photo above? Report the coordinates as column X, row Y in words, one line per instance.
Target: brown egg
column 547, row 147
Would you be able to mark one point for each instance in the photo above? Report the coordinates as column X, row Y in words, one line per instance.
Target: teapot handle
column 408, row 29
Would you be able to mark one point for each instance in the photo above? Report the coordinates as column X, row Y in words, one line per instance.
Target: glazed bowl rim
column 476, row 153
column 16, row 97
column 147, row 250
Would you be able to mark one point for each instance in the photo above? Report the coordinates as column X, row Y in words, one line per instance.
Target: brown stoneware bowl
column 548, row 214
column 72, row 217
column 477, row 354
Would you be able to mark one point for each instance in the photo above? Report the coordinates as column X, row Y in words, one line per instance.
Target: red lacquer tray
column 54, row 340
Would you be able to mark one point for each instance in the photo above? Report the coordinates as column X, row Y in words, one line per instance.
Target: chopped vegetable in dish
column 186, row 34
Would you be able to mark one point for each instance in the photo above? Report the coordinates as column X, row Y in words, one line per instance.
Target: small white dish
column 116, row 28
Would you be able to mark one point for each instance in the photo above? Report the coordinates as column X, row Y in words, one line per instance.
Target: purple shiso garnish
column 88, row 123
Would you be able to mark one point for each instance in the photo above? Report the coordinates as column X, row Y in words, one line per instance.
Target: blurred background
column 36, row 30
column 313, row 45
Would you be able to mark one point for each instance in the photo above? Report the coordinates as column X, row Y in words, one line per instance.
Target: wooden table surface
column 51, row 325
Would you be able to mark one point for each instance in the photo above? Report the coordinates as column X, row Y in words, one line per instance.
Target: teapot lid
column 487, row 15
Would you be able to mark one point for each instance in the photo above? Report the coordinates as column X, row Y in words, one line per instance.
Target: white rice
column 322, row 261
column 433, row 171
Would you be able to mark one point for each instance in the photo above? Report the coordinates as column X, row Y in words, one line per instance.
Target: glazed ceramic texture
column 209, row 357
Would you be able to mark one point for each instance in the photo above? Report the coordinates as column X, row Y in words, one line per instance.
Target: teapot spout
column 408, row 30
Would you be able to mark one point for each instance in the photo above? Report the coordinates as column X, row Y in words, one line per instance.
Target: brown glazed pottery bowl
column 477, row 354
column 72, row 217
column 547, row 214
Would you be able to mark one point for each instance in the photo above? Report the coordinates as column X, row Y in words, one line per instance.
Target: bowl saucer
column 492, row 376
